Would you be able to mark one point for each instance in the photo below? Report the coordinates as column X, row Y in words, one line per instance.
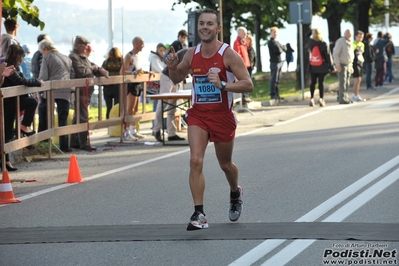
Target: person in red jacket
column 240, row 46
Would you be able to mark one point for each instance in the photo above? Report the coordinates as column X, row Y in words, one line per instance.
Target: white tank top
column 136, row 62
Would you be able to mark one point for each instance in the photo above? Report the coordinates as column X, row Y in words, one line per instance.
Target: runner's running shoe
column 236, row 207
column 197, row 221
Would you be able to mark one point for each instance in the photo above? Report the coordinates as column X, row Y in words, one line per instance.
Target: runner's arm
column 243, row 82
column 178, row 70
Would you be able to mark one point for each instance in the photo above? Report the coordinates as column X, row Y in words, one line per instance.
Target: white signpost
column 301, row 13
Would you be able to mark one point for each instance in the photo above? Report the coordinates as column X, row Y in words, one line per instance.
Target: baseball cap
column 81, row 40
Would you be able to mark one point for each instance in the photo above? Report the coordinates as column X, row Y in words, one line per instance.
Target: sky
column 288, row 34
column 128, row 4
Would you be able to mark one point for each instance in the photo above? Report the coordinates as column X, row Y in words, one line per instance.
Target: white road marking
column 265, row 247
column 386, row 94
column 111, row 172
column 296, row 247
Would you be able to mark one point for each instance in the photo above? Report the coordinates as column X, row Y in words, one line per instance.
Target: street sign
column 300, row 12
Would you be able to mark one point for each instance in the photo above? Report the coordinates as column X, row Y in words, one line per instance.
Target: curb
column 330, row 88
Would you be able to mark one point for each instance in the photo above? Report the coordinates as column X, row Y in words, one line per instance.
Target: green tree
column 255, row 15
column 23, row 9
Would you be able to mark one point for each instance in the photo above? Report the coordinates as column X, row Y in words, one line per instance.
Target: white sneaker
column 127, row 136
column 360, row 99
column 138, row 135
column 355, row 98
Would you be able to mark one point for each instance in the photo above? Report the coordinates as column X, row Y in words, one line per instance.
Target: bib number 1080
column 207, row 88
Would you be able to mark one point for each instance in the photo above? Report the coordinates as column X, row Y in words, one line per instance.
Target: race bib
column 205, row 91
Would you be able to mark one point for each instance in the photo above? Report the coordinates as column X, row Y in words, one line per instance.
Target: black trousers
column 275, row 76
column 27, row 104
column 62, row 111
column 111, row 92
column 314, row 77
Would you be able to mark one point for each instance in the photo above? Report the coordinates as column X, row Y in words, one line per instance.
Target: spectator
column 381, row 59
column 369, row 57
column 83, row 68
column 8, row 38
column 275, row 51
column 390, row 51
column 157, row 64
column 240, row 46
column 343, row 59
column 27, row 63
column 380, row 34
column 131, row 64
column 251, row 54
column 167, row 85
column 319, row 72
column 112, row 64
column 358, row 62
column 6, row 71
column 180, row 43
column 15, row 56
column 89, row 50
column 56, row 66
column 37, row 57
column 289, row 57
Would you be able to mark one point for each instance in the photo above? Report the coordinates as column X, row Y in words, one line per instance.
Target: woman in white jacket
column 157, row 64
column 166, row 85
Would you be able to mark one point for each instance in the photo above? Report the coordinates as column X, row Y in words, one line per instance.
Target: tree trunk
column 257, row 34
column 227, row 17
column 334, row 29
column 363, row 15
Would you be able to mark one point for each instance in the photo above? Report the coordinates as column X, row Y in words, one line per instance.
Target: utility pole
column 386, row 16
column 110, row 25
column 221, row 19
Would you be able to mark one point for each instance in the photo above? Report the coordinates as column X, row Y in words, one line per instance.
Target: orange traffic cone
column 6, row 193
column 74, row 175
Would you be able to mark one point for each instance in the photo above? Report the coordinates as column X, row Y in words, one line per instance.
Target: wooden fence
column 49, row 88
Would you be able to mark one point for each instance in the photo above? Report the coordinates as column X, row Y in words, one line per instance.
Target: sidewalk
column 332, row 90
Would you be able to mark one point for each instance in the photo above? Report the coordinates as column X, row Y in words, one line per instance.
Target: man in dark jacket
column 390, row 50
column 380, row 62
column 83, row 68
column 369, row 57
column 275, row 51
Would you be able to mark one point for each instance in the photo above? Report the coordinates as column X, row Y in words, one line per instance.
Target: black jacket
column 327, row 65
column 369, row 53
column 17, row 78
column 275, row 50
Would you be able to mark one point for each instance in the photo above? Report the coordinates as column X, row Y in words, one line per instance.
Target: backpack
column 388, row 49
column 315, row 56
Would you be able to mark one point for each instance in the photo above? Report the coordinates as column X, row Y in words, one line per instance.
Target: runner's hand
column 172, row 60
column 214, row 79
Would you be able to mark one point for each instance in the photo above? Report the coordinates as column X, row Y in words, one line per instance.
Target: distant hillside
column 65, row 21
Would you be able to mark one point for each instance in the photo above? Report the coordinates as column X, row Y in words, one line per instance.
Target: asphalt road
column 319, row 183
